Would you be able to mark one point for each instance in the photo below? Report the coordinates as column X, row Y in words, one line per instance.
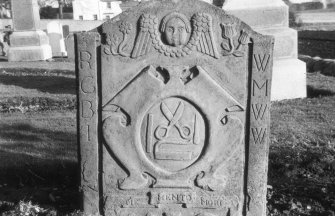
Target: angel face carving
column 173, row 38
column 175, row 29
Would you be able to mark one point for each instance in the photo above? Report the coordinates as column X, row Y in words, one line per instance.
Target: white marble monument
column 27, row 42
column 270, row 17
column 56, row 39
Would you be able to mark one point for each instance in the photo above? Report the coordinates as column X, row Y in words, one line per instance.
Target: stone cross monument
column 173, row 113
column 27, row 42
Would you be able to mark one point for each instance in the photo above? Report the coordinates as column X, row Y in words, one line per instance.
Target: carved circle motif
column 173, row 134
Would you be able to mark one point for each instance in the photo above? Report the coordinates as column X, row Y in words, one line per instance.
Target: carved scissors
column 184, row 130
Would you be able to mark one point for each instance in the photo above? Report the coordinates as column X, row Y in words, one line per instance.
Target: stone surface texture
column 173, row 110
column 270, row 17
column 28, row 43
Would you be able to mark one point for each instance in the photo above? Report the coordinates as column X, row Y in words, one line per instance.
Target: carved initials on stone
column 261, row 61
column 86, row 85
column 85, row 60
column 88, row 133
column 87, row 111
column 259, row 87
column 258, row 110
column 258, row 134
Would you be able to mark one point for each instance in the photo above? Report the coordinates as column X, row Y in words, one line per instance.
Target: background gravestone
column 174, row 100
column 56, row 39
column 27, row 42
column 271, row 17
column 66, row 30
column 69, row 45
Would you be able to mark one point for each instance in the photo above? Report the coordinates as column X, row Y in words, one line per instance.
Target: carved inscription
column 260, row 86
column 86, row 107
column 87, row 85
column 258, row 134
column 261, row 61
column 173, row 198
column 258, row 110
column 135, row 202
column 259, row 127
column 259, row 89
column 88, row 133
column 88, row 120
column 184, row 199
column 85, row 60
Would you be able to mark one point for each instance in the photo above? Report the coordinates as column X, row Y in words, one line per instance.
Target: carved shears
column 162, row 131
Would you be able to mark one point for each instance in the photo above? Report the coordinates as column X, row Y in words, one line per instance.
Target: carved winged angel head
column 177, row 35
column 175, row 28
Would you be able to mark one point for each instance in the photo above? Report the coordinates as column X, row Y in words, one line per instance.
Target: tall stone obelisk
column 270, row 17
column 27, row 42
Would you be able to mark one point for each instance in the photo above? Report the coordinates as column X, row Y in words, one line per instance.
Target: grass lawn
column 302, row 152
column 38, row 149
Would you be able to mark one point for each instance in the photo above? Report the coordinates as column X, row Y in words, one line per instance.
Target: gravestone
column 27, row 42
column 271, row 17
column 3, row 44
column 56, row 39
column 66, row 30
column 173, row 110
column 69, row 45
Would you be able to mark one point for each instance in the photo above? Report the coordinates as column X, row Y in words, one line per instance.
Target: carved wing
column 143, row 44
column 202, row 25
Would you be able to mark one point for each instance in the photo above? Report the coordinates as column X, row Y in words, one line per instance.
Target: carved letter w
column 258, row 134
column 258, row 110
column 261, row 63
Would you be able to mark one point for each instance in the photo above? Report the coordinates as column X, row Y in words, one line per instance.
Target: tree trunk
column 61, row 3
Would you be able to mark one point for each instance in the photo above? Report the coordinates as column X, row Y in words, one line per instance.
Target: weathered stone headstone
column 27, row 42
column 56, row 39
column 174, row 100
column 69, row 46
column 66, row 30
column 3, row 44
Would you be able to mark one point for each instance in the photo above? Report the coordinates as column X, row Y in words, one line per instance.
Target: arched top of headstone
column 175, row 28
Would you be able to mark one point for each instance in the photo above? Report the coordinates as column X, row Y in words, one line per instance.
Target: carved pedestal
column 173, row 108
column 27, row 42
